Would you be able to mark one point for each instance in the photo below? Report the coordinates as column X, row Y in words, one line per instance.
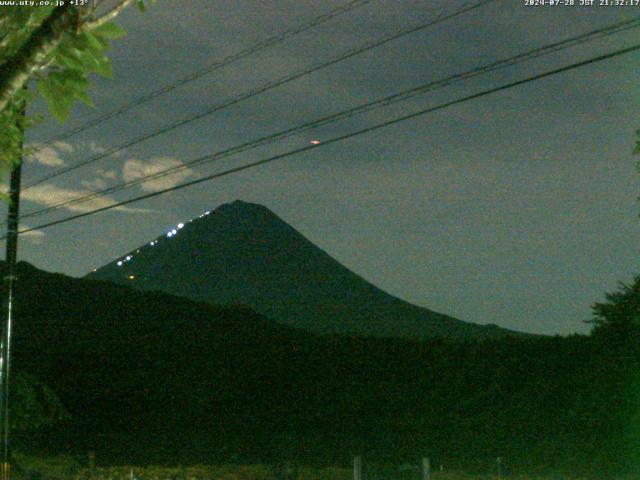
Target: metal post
column 426, row 469
column 357, row 468
column 9, row 283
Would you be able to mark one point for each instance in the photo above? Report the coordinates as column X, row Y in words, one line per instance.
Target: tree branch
column 16, row 70
column 4, row 41
column 108, row 16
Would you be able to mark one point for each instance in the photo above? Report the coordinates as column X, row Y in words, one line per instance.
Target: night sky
column 519, row 208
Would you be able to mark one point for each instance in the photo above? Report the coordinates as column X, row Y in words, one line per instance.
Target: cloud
column 64, row 147
column 51, row 155
column 50, row 195
column 54, row 155
column 34, row 236
column 100, row 181
column 108, row 174
column 134, row 169
column 95, row 148
column 95, row 184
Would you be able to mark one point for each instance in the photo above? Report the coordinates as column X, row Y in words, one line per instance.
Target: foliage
column 617, row 331
column 34, row 404
column 199, row 472
column 60, row 467
column 78, row 55
column 621, row 311
column 13, row 125
column 261, row 472
column 61, row 76
column 152, row 378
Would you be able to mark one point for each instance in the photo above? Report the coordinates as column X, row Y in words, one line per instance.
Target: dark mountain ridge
column 154, row 378
column 244, row 253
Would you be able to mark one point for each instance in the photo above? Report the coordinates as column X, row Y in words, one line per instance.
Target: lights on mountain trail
column 171, row 233
column 315, row 142
column 131, row 277
column 126, row 259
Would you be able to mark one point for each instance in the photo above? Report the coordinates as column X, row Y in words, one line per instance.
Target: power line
column 269, row 42
column 398, row 97
column 340, row 138
column 259, row 90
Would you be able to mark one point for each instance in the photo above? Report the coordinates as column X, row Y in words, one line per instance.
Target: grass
column 262, row 472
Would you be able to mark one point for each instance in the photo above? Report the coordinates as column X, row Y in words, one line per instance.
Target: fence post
column 357, row 467
column 426, row 469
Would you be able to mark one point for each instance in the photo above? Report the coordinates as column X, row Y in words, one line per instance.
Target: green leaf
column 61, row 107
column 87, row 59
column 73, row 78
column 96, row 43
column 58, row 100
column 44, row 87
column 84, row 97
column 141, row 6
column 110, row 31
column 103, row 67
column 69, row 83
column 66, row 58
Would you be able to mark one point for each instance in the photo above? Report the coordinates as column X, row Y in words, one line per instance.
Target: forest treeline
column 148, row 378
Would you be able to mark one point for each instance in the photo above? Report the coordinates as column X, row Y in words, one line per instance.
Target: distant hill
column 243, row 253
column 154, row 378
column 150, row 377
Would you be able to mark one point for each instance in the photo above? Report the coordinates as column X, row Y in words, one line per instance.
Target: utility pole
column 9, row 281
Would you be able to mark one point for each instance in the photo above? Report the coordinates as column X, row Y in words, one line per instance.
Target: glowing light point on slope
column 131, row 277
column 180, row 225
column 169, row 234
column 315, row 142
column 119, row 263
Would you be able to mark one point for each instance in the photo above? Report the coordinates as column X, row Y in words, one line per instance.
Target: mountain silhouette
column 243, row 253
column 152, row 378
